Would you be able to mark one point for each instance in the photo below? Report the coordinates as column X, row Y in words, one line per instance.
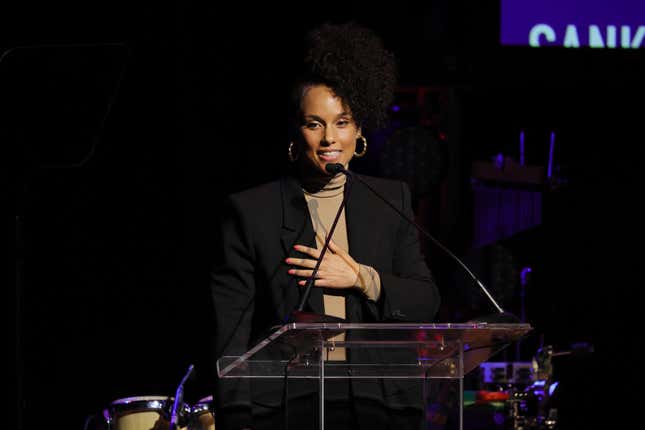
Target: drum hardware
column 533, row 408
column 202, row 416
column 178, row 404
column 529, row 408
column 526, row 388
column 522, row 390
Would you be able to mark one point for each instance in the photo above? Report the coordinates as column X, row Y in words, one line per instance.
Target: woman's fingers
column 337, row 269
column 327, row 283
column 302, row 262
column 303, row 273
column 314, row 252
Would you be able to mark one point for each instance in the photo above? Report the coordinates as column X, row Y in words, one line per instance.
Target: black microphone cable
column 298, row 315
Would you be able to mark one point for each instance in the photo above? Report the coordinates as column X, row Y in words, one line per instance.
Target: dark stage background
column 185, row 102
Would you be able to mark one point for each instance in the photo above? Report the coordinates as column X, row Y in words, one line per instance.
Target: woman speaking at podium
column 272, row 237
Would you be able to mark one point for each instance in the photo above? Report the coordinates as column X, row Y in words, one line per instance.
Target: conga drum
column 143, row 413
column 202, row 416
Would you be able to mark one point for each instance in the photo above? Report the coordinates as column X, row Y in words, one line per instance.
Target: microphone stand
column 179, row 400
column 501, row 316
column 309, row 317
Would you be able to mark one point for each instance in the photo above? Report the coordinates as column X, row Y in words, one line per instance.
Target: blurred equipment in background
column 523, row 395
column 508, row 194
column 413, row 155
column 416, row 148
column 512, row 192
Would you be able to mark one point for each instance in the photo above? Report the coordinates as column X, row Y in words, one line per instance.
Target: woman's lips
column 329, row 155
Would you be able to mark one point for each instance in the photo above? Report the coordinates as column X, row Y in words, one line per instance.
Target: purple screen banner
column 612, row 24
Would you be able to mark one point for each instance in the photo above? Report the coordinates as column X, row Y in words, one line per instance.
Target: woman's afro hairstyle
column 354, row 63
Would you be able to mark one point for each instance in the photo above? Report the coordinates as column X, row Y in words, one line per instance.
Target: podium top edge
column 406, row 326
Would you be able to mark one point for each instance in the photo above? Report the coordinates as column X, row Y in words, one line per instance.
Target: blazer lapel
column 297, row 229
column 359, row 210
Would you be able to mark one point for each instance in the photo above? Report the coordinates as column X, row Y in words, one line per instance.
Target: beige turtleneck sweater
column 323, row 205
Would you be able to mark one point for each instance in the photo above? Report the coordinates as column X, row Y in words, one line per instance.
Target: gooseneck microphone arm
column 338, row 168
column 312, row 279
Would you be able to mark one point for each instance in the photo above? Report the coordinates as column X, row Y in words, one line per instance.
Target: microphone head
column 334, row 168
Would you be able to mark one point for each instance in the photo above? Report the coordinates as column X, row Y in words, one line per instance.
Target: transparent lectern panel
column 373, row 350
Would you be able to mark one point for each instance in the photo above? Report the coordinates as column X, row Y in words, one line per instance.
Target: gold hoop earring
column 364, row 151
column 291, row 157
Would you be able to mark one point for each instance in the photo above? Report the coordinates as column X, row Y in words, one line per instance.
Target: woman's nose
column 328, row 137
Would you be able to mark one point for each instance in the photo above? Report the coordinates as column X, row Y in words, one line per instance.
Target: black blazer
column 252, row 290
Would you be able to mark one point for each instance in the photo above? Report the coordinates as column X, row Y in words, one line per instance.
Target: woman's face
column 328, row 129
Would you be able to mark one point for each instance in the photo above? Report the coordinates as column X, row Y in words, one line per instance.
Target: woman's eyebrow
column 317, row 118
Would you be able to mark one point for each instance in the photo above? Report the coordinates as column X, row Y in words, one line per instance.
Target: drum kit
column 154, row 413
column 527, row 391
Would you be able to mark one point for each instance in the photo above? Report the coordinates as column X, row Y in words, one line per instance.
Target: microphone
column 501, row 316
column 299, row 315
column 179, row 400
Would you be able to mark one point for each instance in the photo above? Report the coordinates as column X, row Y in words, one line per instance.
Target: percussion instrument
column 201, row 417
column 142, row 413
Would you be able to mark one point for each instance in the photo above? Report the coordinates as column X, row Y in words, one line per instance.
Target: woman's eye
column 311, row 125
column 343, row 123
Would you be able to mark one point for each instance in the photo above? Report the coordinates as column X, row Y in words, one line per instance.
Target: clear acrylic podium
column 395, row 350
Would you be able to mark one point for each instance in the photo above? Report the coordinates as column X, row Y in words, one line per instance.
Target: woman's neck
column 322, row 185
